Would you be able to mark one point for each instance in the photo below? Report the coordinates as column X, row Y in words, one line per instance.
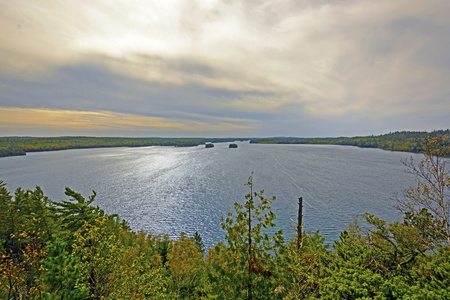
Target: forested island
column 72, row 250
column 409, row 141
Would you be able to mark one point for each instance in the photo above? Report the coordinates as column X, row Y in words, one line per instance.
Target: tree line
column 13, row 146
column 73, row 250
column 408, row 141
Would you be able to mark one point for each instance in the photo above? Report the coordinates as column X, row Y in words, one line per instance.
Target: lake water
column 166, row 190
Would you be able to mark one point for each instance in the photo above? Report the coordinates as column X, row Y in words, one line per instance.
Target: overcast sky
column 208, row 68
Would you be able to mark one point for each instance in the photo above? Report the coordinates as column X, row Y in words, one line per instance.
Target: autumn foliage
column 73, row 250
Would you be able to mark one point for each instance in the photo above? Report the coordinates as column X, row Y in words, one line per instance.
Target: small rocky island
column 209, row 145
column 232, row 146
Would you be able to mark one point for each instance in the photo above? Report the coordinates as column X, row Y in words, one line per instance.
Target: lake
column 166, row 190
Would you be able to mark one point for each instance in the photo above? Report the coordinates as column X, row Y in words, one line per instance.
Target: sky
column 211, row 68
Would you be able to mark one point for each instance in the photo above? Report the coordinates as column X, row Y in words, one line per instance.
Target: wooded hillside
column 409, row 141
column 12, row 146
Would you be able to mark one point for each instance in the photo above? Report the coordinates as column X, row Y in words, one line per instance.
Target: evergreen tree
column 245, row 267
column 63, row 276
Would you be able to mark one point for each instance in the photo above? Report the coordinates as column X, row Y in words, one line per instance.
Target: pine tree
column 245, row 267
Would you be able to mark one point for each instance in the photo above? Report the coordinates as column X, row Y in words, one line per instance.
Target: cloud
column 107, row 122
column 329, row 61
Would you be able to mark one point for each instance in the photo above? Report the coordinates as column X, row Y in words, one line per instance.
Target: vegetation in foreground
column 72, row 250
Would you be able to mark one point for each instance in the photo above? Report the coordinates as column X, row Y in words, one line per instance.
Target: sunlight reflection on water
column 169, row 190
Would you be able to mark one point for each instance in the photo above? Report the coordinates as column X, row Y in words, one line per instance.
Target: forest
column 409, row 141
column 73, row 250
column 13, row 146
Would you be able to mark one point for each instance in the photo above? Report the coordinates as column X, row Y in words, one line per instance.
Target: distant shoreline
column 404, row 141
column 17, row 146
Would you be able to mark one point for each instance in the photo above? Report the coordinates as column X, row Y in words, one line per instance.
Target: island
column 14, row 146
column 408, row 141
